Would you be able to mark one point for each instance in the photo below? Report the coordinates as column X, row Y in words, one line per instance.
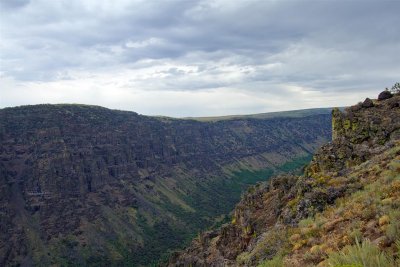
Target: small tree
column 395, row 88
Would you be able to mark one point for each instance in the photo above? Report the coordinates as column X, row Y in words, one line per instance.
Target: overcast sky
column 198, row 58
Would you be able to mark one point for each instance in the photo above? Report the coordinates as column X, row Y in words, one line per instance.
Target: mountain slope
column 348, row 194
column 85, row 185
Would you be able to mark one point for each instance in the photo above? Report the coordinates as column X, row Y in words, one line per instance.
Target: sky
column 198, row 58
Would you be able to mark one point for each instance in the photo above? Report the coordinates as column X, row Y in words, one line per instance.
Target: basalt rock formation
column 343, row 210
column 88, row 186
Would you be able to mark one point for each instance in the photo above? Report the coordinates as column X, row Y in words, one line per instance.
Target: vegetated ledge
column 343, row 211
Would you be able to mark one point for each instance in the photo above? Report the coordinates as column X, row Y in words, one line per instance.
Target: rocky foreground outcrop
column 349, row 194
column 88, row 186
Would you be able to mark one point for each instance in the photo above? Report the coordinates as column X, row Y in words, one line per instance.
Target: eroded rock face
column 94, row 186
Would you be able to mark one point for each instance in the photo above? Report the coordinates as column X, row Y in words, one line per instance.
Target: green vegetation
column 209, row 200
column 276, row 261
column 395, row 88
column 296, row 164
column 362, row 255
column 159, row 237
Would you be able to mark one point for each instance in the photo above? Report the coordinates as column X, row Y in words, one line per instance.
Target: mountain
column 342, row 211
column 88, row 186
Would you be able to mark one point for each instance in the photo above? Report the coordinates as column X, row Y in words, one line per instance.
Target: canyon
column 89, row 186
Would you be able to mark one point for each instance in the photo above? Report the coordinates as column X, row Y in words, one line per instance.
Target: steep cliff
column 85, row 185
column 343, row 211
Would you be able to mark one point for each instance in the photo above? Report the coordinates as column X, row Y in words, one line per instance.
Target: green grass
column 212, row 199
column 296, row 164
column 365, row 254
column 277, row 261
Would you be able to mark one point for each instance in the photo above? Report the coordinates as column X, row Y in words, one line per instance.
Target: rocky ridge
column 345, row 203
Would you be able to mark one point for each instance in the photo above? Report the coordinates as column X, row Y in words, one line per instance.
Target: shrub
column 365, row 255
column 276, row 261
column 395, row 88
column 306, row 222
column 355, row 235
column 393, row 229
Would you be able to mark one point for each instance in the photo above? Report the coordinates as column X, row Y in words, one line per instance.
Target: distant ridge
column 268, row 115
column 297, row 113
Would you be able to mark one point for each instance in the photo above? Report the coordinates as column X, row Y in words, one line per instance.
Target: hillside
column 343, row 210
column 85, row 185
column 283, row 114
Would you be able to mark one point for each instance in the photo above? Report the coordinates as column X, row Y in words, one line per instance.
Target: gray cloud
column 12, row 4
column 256, row 47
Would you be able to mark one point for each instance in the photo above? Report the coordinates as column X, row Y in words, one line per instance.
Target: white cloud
column 145, row 43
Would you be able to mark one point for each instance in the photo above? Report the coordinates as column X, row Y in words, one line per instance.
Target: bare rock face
column 358, row 134
column 95, row 187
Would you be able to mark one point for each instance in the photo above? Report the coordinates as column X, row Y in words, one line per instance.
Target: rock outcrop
column 385, row 95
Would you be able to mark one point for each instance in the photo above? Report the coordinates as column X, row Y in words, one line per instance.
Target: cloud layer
column 197, row 58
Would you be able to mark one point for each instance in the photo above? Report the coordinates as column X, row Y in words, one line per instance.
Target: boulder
column 382, row 241
column 367, row 103
column 384, row 95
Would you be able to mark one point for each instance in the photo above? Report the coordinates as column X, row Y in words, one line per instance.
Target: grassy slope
column 207, row 206
column 214, row 200
column 364, row 227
